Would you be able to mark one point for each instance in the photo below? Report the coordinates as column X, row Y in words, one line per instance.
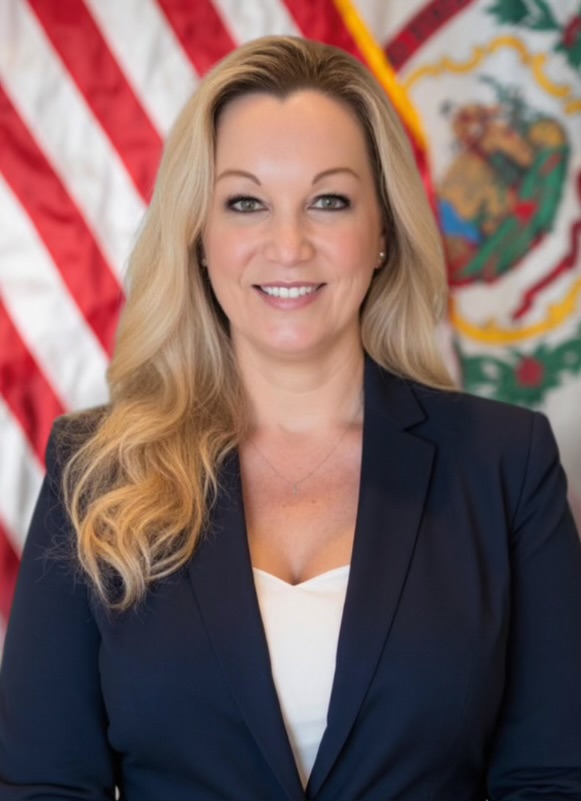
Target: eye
column 332, row 202
column 244, row 204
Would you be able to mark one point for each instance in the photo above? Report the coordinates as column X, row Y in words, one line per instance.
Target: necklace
column 296, row 484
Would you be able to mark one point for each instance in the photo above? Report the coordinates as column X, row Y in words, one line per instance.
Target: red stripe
column 569, row 262
column 24, row 387
column 420, row 28
column 60, row 224
column 322, row 22
column 9, row 564
column 200, row 31
column 87, row 57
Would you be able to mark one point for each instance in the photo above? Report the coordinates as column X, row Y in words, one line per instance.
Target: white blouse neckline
column 328, row 574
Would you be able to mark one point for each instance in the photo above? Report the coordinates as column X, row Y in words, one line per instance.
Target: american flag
column 88, row 92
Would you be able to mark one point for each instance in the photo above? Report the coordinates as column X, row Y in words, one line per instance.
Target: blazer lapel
column 395, row 474
column 221, row 577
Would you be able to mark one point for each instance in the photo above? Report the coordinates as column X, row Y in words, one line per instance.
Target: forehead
column 306, row 124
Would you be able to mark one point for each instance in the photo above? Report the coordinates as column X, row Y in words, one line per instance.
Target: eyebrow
column 334, row 170
column 319, row 176
column 240, row 174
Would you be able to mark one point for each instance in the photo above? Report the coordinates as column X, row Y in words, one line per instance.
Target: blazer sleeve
column 536, row 751
column 53, row 723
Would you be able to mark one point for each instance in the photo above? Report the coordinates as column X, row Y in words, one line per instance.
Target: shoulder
column 467, row 427
column 75, row 428
column 460, row 416
column 482, row 434
column 69, row 433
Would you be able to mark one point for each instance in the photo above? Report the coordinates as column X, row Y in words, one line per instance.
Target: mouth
column 296, row 290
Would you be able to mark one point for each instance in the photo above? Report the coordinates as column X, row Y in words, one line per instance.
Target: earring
column 381, row 258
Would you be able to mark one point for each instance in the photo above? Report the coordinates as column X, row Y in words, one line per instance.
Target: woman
column 304, row 566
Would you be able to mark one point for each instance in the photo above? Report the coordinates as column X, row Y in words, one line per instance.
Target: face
column 294, row 230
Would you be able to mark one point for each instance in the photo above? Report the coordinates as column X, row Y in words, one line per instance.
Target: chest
column 297, row 532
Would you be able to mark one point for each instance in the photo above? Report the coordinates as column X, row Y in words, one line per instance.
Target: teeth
column 288, row 292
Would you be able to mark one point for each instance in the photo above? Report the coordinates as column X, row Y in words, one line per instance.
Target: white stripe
column 47, row 317
column 62, row 123
column 20, row 478
column 153, row 61
column 247, row 21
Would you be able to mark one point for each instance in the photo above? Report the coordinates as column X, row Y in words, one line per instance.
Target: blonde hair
column 140, row 487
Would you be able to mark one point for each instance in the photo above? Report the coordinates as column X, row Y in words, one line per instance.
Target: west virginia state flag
column 497, row 85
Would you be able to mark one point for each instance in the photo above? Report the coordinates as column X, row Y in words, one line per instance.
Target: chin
column 290, row 340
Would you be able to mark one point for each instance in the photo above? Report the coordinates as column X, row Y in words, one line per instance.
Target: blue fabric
column 459, row 660
column 455, row 225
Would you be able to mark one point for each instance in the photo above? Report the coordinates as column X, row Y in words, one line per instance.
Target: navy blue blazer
column 458, row 673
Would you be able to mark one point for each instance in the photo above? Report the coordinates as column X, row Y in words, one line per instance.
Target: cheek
column 227, row 253
column 354, row 253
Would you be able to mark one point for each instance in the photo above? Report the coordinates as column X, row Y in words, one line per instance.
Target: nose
column 288, row 242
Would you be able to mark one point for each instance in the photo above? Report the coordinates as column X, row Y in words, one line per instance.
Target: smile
column 289, row 292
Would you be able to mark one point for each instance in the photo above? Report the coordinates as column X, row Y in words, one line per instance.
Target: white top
column 302, row 624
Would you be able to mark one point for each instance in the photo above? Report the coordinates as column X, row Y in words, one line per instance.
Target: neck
column 303, row 396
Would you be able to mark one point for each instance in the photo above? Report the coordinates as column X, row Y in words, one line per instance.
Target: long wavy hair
column 140, row 485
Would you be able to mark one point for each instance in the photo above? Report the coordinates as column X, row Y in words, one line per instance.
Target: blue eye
column 332, row 202
column 244, row 204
